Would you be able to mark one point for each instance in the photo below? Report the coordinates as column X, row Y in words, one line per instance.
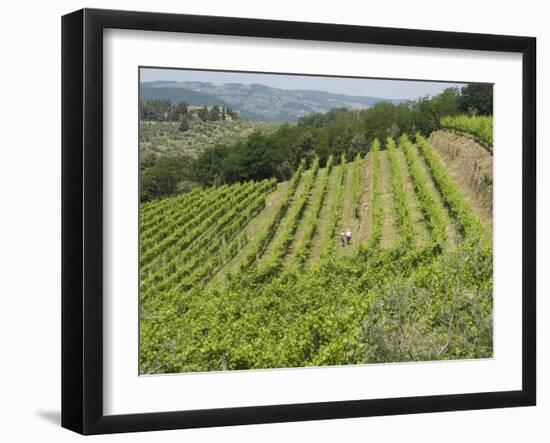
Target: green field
column 165, row 138
column 253, row 275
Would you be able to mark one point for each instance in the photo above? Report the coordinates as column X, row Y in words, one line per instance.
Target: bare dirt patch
column 471, row 166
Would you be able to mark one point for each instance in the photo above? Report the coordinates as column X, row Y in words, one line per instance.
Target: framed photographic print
column 269, row 221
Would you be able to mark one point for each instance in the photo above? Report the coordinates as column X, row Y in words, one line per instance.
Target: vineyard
column 257, row 275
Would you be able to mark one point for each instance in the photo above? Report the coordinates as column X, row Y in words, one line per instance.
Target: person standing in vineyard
column 348, row 236
column 342, row 238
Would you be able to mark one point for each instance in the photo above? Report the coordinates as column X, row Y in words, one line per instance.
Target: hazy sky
column 351, row 86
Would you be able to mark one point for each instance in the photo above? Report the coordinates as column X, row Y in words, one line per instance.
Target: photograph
column 294, row 220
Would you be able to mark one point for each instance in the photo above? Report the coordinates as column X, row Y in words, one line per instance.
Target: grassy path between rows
column 348, row 221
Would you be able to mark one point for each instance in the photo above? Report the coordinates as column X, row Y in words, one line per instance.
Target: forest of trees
column 278, row 154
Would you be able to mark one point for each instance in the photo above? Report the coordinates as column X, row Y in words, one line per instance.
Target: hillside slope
column 471, row 166
column 254, row 275
column 179, row 94
column 257, row 102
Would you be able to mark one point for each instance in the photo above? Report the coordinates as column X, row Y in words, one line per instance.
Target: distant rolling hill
column 256, row 102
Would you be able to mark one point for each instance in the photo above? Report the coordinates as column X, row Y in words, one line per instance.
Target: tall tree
column 163, row 178
column 203, row 114
column 214, row 113
column 477, row 99
column 179, row 111
column 184, row 124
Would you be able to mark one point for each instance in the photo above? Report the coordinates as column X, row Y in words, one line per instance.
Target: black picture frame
column 82, row 215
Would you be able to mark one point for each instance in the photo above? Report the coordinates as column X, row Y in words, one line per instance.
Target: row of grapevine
column 479, row 126
column 303, row 252
column 261, row 244
column 336, row 212
column 376, row 202
column 401, row 207
column 282, row 246
column 469, row 221
column 431, row 208
column 357, row 185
